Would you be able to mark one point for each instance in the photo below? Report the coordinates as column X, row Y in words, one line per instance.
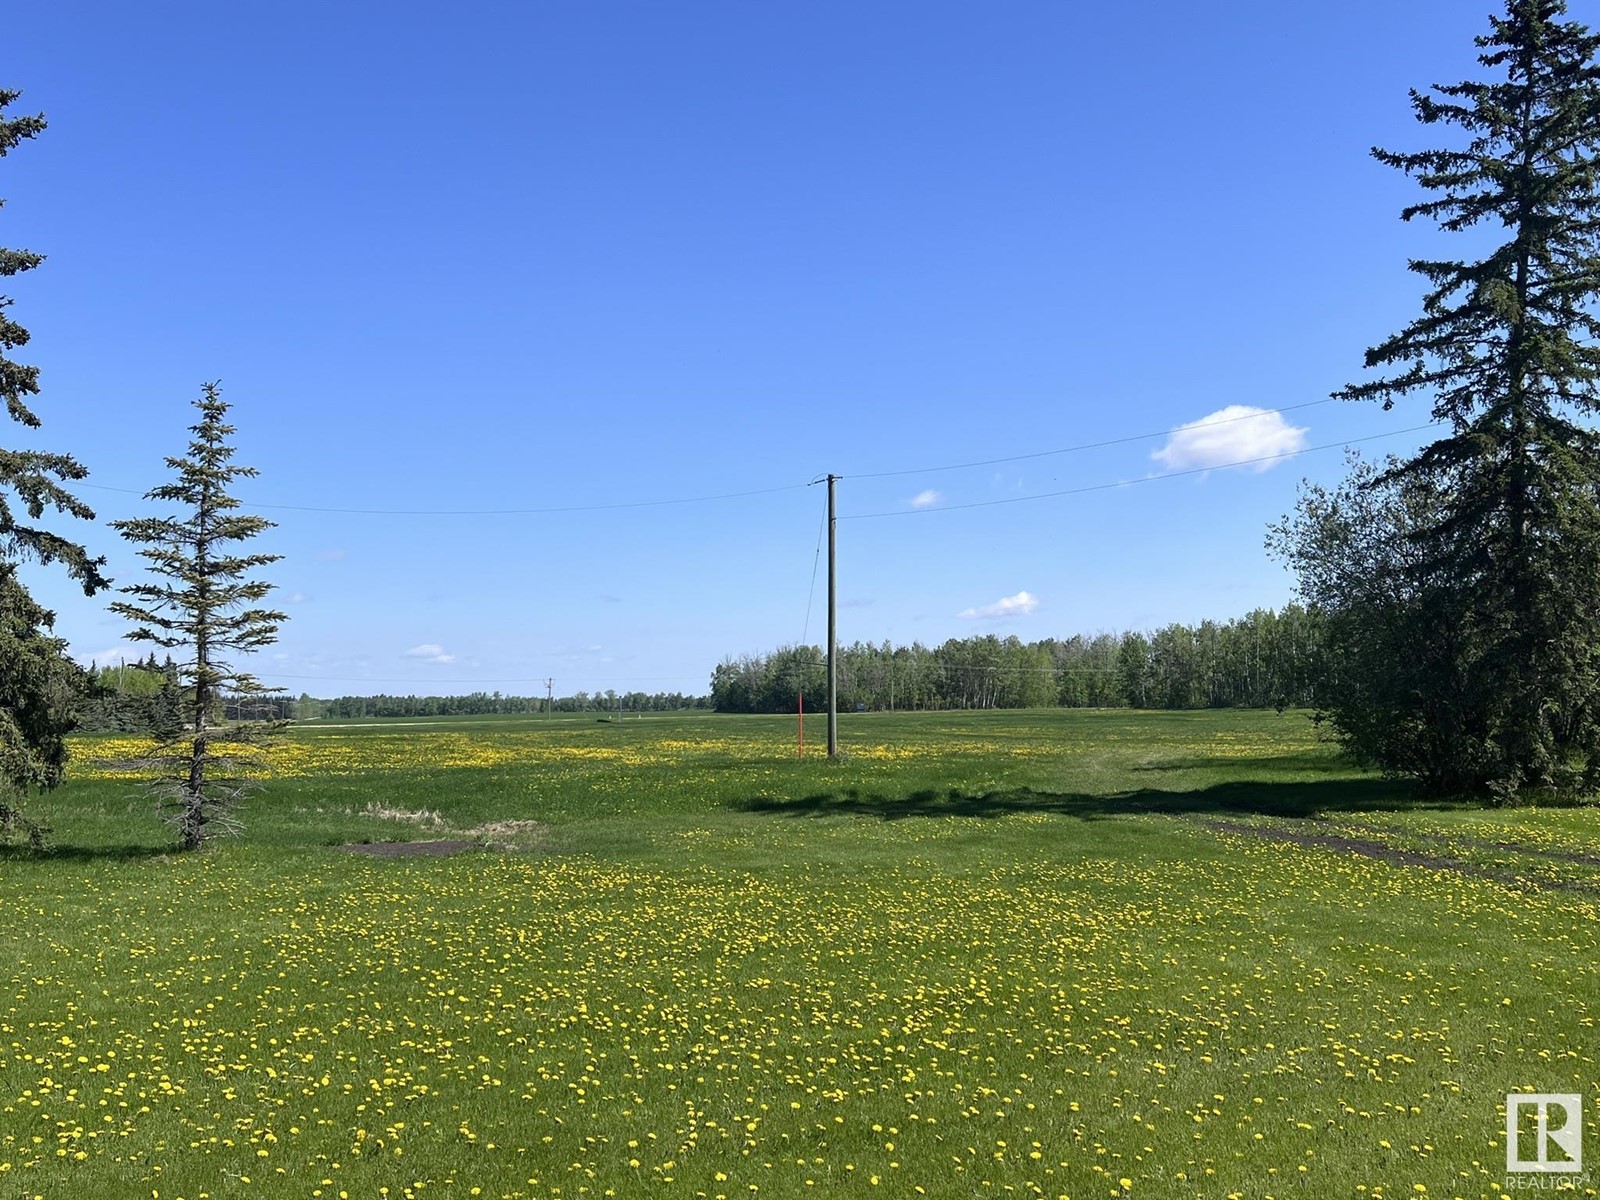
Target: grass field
column 1086, row 954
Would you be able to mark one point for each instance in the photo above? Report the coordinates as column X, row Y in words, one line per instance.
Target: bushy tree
column 207, row 607
column 1391, row 679
column 39, row 685
column 1507, row 548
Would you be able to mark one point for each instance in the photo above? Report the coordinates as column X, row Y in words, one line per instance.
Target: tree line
column 1266, row 659
column 138, row 697
column 493, row 703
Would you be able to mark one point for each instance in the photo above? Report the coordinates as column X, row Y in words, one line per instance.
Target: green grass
column 1048, row 953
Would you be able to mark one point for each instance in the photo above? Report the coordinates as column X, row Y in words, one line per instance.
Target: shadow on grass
column 1310, row 762
column 1313, row 799
column 57, row 853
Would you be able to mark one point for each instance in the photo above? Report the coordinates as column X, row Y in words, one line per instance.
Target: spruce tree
column 206, row 606
column 1506, row 350
column 31, row 481
column 166, row 706
column 34, row 715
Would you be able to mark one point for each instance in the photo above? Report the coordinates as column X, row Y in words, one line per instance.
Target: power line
column 323, row 679
column 539, row 679
column 1205, row 423
column 822, row 525
column 491, row 512
column 1121, row 483
column 552, row 510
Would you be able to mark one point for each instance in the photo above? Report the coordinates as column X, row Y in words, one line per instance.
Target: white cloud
column 113, row 656
column 1234, row 434
column 926, row 499
column 332, row 555
column 429, row 652
column 296, row 598
column 1003, row 609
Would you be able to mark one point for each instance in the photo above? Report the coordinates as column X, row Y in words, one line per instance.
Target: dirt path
column 1368, row 847
column 1571, row 856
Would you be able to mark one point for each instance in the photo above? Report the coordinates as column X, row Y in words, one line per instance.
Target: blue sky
column 497, row 256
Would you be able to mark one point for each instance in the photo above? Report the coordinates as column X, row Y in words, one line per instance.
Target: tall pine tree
column 35, row 676
column 1506, row 349
column 207, row 606
column 33, row 478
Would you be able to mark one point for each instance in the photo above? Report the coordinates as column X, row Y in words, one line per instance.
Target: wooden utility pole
column 833, row 624
column 549, row 697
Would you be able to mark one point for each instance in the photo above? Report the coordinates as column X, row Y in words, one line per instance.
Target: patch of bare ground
column 410, row 849
column 1374, row 847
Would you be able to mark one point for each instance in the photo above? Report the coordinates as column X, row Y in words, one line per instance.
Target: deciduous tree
column 1392, row 686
